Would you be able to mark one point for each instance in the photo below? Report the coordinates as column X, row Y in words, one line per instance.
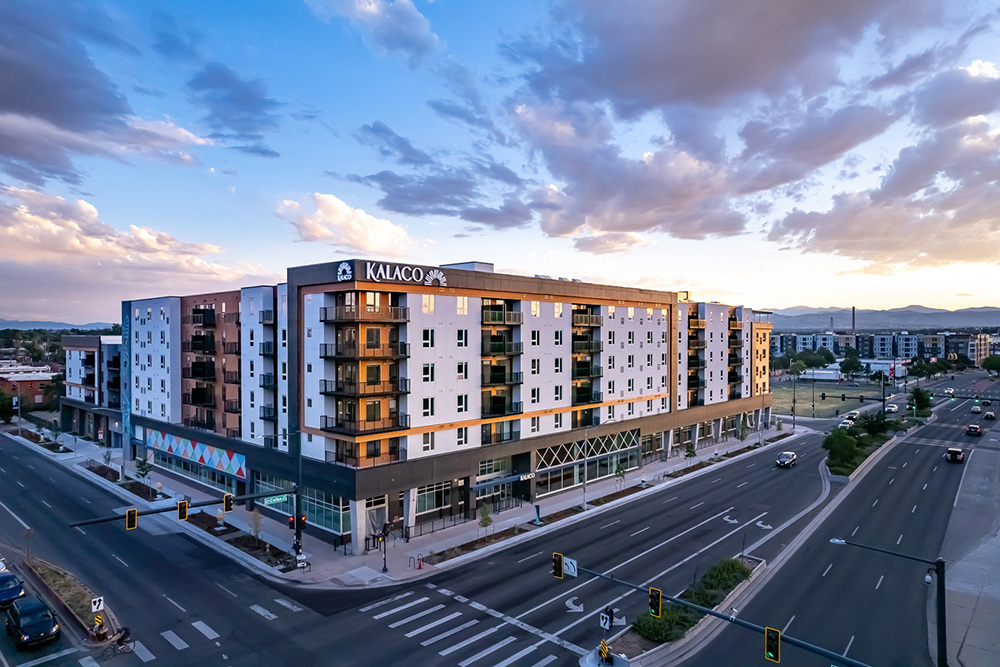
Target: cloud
column 614, row 242
column 957, row 94
column 391, row 27
column 337, row 224
column 381, row 137
column 71, row 252
column 237, row 108
column 170, row 41
column 470, row 109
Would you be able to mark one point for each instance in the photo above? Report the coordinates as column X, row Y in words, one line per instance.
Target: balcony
column 499, row 378
column 332, row 388
column 269, row 412
column 114, row 404
column 364, row 314
column 204, row 344
column 267, row 381
column 491, row 437
column 115, row 362
column 207, row 423
column 233, row 407
column 335, row 425
column 735, row 394
column 586, row 320
column 267, row 317
column 583, row 346
column 586, row 396
column 735, row 359
column 114, row 384
column 232, row 377
column 231, row 348
column 231, row 318
column 203, row 317
column 697, row 344
column 233, row 433
column 696, row 364
column 267, row 348
column 501, row 348
column 199, row 396
column 586, row 371
column 696, row 383
column 735, row 324
column 501, row 408
column 391, row 350
column 270, row 442
column 89, row 362
column 90, row 380
column 199, row 370
column 735, row 378
column 503, row 317
column 735, row 341
column 695, row 323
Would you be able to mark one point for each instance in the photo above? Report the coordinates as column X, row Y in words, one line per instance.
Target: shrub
column 673, row 622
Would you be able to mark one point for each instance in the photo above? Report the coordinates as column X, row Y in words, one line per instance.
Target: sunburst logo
column 344, row 271
column 438, row 275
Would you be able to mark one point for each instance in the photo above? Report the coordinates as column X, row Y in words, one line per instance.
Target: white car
column 949, row 391
column 892, row 407
column 847, row 423
column 976, row 409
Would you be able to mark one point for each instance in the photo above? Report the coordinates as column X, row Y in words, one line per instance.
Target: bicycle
column 121, row 643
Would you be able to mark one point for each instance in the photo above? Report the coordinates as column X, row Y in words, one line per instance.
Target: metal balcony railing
column 269, row 412
column 232, row 407
column 337, row 425
column 498, row 409
column 267, row 317
column 586, row 371
column 586, row 320
column 501, row 348
column 332, row 387
column 267, row 381
column 501, row 378
column 585, row 397
column 364, row 314
column 587, row 346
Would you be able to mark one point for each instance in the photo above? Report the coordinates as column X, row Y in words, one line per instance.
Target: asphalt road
column 864, row 604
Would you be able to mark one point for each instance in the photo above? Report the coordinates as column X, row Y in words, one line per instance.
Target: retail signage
column 402, row 273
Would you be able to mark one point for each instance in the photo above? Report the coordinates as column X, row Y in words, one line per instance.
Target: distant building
column 92, row 404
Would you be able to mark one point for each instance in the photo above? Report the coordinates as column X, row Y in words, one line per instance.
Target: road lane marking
column 698, row 505
column 485, row 652
column 448, row 633
column 875, row 503
column 400, row 608
column 85, row 500
column 669, row 499
column 175, row 604
column 900, row 539
column 31, row 466
column 892, row 480
column 904, row 464
column 203, row 628
column 610, row 524
column 517, row 656
column 419, row 614
column 545, row 661
column 46, row 504
column 751, row 465
column 432, row 624
column 122, row 562
column 85, row 662
column 935, row 469
column 20, row 485
column 226, row 589
column 48, row 658
column 474, row 638
column 174, row 640
column 379, row 604
column 530, row 557
column 3, row 471
column 913, row 510
column 824, row 574
column 849, row 645
column 925, row 488
column 916, row 450
column 743, row 484
column 143, row 652
column 717, row 479
column 288, row 605
column 80, row 529
column 876, row 588
column 784, row 630
column 639, row 531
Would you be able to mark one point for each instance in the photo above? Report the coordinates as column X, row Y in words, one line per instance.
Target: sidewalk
column 329, row 567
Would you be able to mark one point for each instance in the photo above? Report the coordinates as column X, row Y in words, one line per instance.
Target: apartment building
column 92, row 405
column 417, row 392
column 975, row 346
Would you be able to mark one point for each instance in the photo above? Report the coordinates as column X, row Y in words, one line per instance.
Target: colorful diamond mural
column 217, row 458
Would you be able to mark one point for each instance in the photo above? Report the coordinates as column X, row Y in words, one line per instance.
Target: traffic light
column 557, row 565
column 772, row 644
column 822, row 396
column 227, row 502
column 302, row 523
column 655, row 599
column 291, row 523
column 977, row 398
column 182, row 510
column 131, row 519
column 861, row 398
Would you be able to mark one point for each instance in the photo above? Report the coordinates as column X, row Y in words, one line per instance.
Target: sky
column 769, row 154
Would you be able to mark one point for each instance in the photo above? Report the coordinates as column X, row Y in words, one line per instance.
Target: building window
column 309, row 402
column 557, row 420
column 631, row 312
column 428, row 337
column 631, row 337
column 463, row 403
column 558, row 365
column 663, row 337
column 559, row 336
column 373, row 449
column 663, row 381
column 535, row 366
column 649, row 336
column 428, row 441
column 649, row 360
column 558, row 309
column 611, row 412
column 663, row 358
column 611, row 362
column 463, row 306
column 463, row 370
column 649, row 405
column 536, row 308
column 611, row 386
column 428, row 407
column 428, row 303
column 463, row 338
column 463, row 435
column 649, row 383
column 631, row 384
column 611, row 311
column 611, row 338
column 631, row 361
column 535, row 424
column 535, row 394
column 559, row 392
column 663, row 403
column 536, row 337
column 428, row 372
column 631, row 409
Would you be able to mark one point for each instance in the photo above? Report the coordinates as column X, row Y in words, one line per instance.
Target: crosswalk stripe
column 485, row 652
column 463, row 644
column 433, row 624
column 379, row 604
column 545, row 661
column 449, row 633
column 419, row 614
column 88, row 662
column 517, row 656
column 143, row 652
column 174, row 640
column 203, row 628
column 263, row 612
column 394, row 610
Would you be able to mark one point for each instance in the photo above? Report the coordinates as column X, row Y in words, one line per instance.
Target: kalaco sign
column 378, row 272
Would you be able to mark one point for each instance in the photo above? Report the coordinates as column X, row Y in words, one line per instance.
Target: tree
column 255, row 525
column 851, row 366
column 842, row 447
column 485, row 520
column 142, row 468
column 7, row 410
column 826, row 354
column 780, row 362
column 879, row 376
column 875, row 423
column 992, row 363
column 743, row 431
column 54, row 390
column 921, row 398
column 850, row 352
column 796, row 368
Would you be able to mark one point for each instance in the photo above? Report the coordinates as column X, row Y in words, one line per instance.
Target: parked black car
column 30, row 621
column 10, row 588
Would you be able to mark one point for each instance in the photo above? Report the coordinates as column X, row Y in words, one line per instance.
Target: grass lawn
column 782, row 392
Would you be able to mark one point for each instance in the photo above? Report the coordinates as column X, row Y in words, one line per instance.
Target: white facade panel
column 156, row 359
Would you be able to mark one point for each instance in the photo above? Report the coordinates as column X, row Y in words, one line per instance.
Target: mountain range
column 806, row 318
column 45, row 324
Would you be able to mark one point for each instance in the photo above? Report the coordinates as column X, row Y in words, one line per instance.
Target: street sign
column 274, row 500
column 96, row 604
column 605, row 620
column 569, row 567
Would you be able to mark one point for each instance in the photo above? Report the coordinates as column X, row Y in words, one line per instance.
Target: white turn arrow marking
column 763, row 525
column 573, row 607
column 728, row 520
column 618, row 620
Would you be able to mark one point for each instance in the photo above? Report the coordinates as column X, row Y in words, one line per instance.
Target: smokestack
column 853, row 330
column 831, row 323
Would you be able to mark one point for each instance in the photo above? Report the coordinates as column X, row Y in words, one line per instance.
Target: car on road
column 973, row 429
column 986, row 402
column 954, row 455
column 786, row 459
column 10, row 588
column 989, row 415
column 30, row 621
column 949, row 391
column 976, row 409
column 892, row 407
column 852, row 415
column 847, row 423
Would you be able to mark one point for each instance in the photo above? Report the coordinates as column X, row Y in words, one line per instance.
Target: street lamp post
column 814, row 393
column 938, row 569
column 795, row 377
column 17, row 399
